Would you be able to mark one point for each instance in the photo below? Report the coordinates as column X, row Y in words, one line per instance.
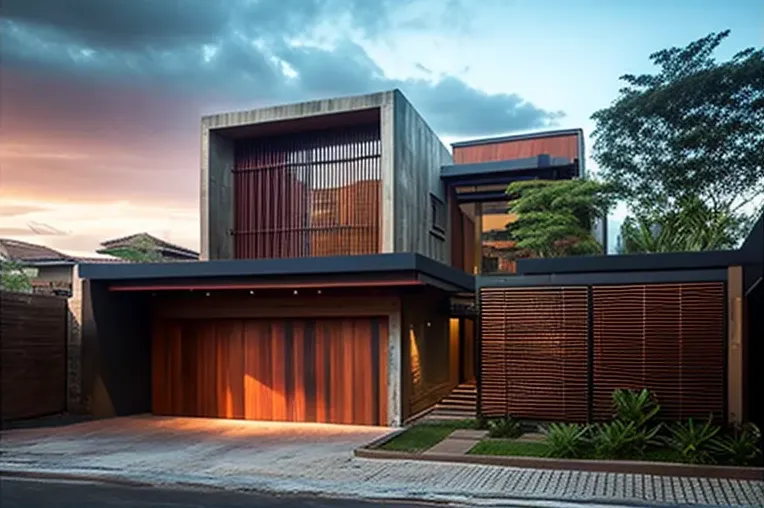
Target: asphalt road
column 33, row 493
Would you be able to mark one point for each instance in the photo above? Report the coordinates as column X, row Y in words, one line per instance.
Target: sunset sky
column 100, row 100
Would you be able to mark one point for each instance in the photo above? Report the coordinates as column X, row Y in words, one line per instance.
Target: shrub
column 506, row 427
column 740, row 447
column 637, row 407
column 620, row 440
column 566, row 440
column 692, row 440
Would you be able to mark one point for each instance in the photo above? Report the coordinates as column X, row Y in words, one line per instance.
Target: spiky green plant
column 692, row 440
column 566, row 440
column 741, row 447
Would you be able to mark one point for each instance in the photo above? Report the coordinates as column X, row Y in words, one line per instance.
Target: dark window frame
column 438, row 219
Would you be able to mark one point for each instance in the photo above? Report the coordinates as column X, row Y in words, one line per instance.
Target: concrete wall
column 418, row 156
column 217, row 159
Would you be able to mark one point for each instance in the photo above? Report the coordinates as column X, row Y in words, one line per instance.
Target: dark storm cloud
column 241, row 48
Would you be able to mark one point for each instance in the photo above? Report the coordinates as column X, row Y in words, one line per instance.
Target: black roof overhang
column 672, row 261
column 374, row 269
column 500, row 172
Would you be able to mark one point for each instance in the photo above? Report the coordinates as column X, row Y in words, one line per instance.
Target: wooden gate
column 558, row 353
column 32, row 355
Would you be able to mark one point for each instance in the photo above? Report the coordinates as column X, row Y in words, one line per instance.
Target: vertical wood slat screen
column 534, row 353
column 308, row 194
column 669, row 338
column 312, row 370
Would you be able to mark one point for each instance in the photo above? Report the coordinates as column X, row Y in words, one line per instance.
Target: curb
column 84, row 477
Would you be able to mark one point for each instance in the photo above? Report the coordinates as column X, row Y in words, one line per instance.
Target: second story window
column 437, row 216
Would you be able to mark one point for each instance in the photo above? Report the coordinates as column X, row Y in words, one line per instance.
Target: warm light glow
column 416, row 365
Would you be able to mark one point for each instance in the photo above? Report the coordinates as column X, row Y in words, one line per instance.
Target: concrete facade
column 217, row 159
column 411, row 157
column 418, row 156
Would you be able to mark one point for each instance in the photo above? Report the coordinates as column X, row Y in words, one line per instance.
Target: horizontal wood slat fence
column 558, row 353
column 32, row 355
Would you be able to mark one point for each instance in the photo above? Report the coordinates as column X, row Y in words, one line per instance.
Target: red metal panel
column 309, row 194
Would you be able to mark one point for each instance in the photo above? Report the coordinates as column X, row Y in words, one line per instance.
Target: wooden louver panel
column 315, row 193
column 669, row 338
column 534, row 353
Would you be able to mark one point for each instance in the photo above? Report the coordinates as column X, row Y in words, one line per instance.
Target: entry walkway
column 317, row 459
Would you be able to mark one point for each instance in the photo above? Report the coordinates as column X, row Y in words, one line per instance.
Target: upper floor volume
column 354, row 175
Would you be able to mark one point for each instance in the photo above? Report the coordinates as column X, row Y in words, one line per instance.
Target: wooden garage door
column 303, row 370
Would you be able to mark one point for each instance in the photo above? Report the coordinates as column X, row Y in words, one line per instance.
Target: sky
column 101, row 100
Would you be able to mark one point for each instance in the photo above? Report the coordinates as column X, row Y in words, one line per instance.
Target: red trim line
column 304, row 285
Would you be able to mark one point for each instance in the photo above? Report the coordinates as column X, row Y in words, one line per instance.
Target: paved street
column 17, row 493
column 305, row 459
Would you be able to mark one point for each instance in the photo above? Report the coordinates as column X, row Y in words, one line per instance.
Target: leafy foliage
column 555, row 218
column 692, row 441
column 741, row 447
column 621, row 440
column 13, row 278
column 636, row 407
column 140, row 250
column 690, row 130
column 694, row 226
column 566, row 440
column 506, row 427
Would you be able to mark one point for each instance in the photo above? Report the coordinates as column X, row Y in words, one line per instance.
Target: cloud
column 249, row 50
column 82, row 227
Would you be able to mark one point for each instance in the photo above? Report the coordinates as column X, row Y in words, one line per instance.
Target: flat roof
column 283, row 272
column 669, row 261
column 519, row 137
column 506, row 166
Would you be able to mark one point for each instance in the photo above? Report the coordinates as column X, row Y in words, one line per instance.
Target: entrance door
column 301, row 370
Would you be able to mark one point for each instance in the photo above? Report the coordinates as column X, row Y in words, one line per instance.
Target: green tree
column 693, row 226
column 690, row 131
column 13, row 277
column 140, row 250
column 555, row 218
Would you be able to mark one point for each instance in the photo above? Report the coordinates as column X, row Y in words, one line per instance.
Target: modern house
column 348, row 274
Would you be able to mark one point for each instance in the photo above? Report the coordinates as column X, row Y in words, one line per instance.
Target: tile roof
column 30, row 252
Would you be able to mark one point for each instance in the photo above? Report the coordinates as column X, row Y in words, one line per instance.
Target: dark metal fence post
column 590, row 354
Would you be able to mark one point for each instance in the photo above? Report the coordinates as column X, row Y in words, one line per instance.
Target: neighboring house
column 343, row 250
column 49, row 271
column 166, row 250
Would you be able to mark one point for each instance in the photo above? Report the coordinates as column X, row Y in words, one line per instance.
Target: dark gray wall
column 116, row 351
column 418, row 156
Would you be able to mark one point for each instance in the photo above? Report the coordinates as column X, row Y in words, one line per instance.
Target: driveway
column 188, row 445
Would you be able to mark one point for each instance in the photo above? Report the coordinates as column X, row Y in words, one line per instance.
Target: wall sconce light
column 207, row 294
column 319, row 291
column 429, row 324
column 295, row 292
column 251, row 292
